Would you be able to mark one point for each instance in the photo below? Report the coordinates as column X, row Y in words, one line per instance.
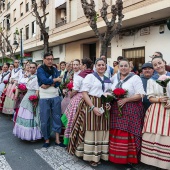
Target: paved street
column 22, row 155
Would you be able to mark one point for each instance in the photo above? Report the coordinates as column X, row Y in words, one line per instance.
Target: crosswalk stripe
column 4, row 164
column 59, row 159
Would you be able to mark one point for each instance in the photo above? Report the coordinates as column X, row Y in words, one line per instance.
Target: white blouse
column 133, row 85
column 76, row 74
column 93, row 86
column 23, row 80
column 77, row 83
column 6, row 77
column 32, row 83
column 155, row 90
column 16, row 75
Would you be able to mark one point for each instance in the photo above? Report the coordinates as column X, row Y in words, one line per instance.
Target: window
column 27, row 32
column 33, row 28
column 47, row 1
column 4, row 24
column 8, row 5
column 8, row 21
column 27, row 7
column 21, row 9
column 136, row 55
column 14, row 15
column 3, row 5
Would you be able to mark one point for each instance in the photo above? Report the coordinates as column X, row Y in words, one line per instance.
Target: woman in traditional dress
column 68, row 117
column 4, row 76
column 27, row 125
column 156, row 130
column 76, row 70
column 75, row 66
column 126, row 126
column 68, row 75
column 9, row 103
column 18, row 93
column 90, row 133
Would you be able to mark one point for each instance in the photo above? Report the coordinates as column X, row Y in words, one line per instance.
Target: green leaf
column 107, row 99
column 3, row 153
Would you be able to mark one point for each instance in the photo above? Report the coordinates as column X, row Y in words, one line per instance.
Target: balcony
column 59, row 24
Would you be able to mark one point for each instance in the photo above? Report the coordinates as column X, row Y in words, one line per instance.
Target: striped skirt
column 2, row 99
column 9, row 103
column 155, row 150
column 70, row 113
column 122, row 147
column 156, row 137
column 90, row 134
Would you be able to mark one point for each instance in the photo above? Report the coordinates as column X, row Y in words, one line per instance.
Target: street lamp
column 15, row 44
column 21, row 48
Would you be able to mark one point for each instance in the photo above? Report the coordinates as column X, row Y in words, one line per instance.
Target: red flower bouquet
column 34, row 100
column 22, row 87
column 120, row 93
column 70, row 85
column 5, row 81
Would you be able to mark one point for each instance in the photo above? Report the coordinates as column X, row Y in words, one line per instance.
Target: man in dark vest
column 147, row 72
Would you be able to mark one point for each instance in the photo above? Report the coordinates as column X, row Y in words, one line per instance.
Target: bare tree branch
column 8, row 45
column 41, row 21
column 112, row 28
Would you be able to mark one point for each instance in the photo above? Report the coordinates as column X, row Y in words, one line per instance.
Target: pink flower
column 33, row 97
column 163, row 77
column 22, row 87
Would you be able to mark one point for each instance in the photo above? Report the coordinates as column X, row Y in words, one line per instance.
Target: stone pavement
column 23, row 155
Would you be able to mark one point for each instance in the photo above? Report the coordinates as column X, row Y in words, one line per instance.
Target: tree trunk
column 46, row 43
column 103, row 48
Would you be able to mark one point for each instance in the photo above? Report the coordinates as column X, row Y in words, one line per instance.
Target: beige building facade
column 144, row 30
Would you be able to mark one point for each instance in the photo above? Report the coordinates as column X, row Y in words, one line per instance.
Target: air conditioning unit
column 63, row 13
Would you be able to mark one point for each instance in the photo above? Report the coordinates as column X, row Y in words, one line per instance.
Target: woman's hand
column 108, row 106
column 163, row 99
column 64, row 91
column 121, row 102
column 167, row 105
column 15, row 97
column 96, row 111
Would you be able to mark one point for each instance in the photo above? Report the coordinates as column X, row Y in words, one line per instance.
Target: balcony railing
column 59, row 24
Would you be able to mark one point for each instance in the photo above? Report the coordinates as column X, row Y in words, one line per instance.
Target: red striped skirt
column 122, row 147
column 2, row 99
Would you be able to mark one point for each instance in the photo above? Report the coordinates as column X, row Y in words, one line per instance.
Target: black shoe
column 60, row 144
column 46, row 145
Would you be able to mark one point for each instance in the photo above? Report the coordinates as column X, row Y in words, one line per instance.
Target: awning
column 59, row 3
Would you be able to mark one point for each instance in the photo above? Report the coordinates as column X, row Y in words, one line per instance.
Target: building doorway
column 89, row 51
column 136, row 55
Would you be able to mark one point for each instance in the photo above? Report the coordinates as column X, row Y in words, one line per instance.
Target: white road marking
column 59, row 159
column 4, row 164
